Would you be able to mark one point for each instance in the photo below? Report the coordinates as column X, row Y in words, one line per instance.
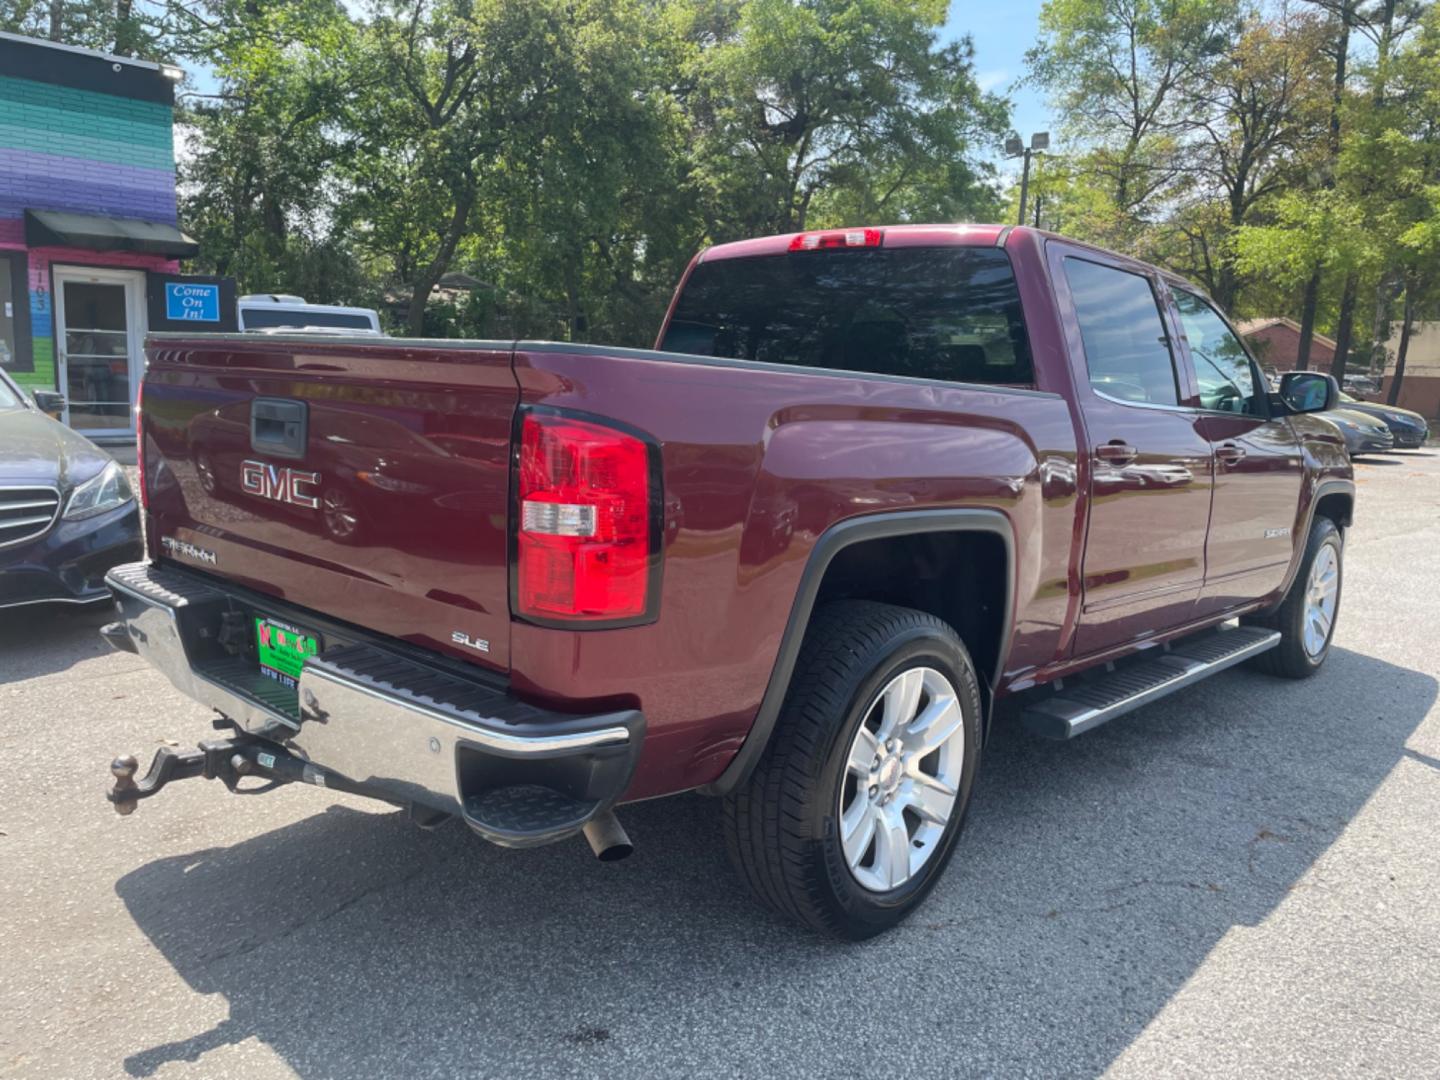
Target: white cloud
column 992, row 80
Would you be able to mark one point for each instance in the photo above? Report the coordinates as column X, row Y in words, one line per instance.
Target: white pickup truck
column 282, row 312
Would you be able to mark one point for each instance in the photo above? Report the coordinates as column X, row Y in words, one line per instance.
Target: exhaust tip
column 607, row 838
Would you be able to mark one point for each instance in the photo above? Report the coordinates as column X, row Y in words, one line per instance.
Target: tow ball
column 226, row 760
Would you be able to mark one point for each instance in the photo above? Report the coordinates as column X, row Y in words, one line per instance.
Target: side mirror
column 1308, row 391
column 50, row 401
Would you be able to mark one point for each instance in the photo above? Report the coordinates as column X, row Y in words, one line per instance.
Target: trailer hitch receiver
column 226, row 760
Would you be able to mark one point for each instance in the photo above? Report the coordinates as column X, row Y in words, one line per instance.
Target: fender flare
column 832, row 541
column 1332, row 486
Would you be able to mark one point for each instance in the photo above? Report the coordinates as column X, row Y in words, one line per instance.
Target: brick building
column 1276, row 343
column 87, row 221
column 1420, row 389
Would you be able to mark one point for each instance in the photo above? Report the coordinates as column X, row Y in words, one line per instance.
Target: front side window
column 1222, row 367
column 947, row 313
column 1126, row 347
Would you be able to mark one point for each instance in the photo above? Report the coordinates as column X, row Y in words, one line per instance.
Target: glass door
column 98, row 333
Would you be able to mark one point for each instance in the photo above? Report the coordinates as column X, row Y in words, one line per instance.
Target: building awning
column 60, row 228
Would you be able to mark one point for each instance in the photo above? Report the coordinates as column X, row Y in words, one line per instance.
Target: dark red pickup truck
column 871, row 482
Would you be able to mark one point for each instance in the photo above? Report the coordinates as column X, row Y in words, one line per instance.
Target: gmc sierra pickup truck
column 869, row 483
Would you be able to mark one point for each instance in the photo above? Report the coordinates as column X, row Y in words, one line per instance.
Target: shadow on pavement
column 1095, row 878
column 45, row 639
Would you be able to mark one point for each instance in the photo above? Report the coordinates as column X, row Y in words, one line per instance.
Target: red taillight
column 586, row 544
column 836, row 238
column 140, row 445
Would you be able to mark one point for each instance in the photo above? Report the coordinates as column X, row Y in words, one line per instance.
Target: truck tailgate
column 366, row 481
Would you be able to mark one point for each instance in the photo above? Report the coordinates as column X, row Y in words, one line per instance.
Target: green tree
column 258, row 189
column 1396, row 149
column 532, row 144
column 1256, row 121
column 828, row 111
column 122, row 27
column 1119, row 72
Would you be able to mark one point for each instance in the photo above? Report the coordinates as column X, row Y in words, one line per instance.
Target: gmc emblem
column 280, row 482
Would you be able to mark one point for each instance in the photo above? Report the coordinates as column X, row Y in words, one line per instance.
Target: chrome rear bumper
column 389, row 724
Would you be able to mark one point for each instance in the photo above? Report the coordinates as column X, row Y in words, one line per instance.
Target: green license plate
column 282, row 650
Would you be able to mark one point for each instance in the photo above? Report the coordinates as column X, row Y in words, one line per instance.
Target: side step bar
column 1136, row 682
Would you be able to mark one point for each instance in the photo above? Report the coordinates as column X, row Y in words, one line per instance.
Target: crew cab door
column 1150, row 464
column 1258, row 465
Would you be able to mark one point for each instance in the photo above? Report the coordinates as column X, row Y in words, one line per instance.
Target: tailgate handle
column 278, row 427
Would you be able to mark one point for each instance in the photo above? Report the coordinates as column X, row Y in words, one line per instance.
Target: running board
column 1135, row 682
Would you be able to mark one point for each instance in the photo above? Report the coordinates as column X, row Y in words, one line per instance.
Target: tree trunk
column 1307, row 320
column 1346, row 328
column 1393, row 397
column 57, row 19
column 574, row 313
column 425, row 281
column 1387, row 291
column 1226, row 285
column 124, row 31
column 1337, row 94
column 1383, row 46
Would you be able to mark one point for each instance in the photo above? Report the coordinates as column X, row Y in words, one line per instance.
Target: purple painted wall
column 65, row 145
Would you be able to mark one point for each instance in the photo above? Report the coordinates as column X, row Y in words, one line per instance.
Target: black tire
column 1290, row 659
column 781, row 827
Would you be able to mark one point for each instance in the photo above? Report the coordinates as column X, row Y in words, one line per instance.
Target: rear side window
column 1126, row 347
column 930, row 313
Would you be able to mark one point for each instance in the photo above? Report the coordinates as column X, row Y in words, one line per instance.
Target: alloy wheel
column 902, row 779
column 1322, row 593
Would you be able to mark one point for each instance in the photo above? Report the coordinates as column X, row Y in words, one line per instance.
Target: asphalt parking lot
column 1242, row 879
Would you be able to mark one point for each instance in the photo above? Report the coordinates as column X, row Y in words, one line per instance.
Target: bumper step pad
column 1140, row 680
column 527, row 815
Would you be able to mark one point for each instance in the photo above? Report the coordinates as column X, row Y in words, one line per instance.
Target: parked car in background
column 67, row 514
column 283, row 312
column 1364, row 434
column 1362, row 384
column 1409, row 428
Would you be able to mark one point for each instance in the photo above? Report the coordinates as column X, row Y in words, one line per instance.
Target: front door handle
column 1230, row 454
column 1116, row 452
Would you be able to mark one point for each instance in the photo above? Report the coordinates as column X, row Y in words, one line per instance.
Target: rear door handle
column 1116, row 452
column 1230, row 454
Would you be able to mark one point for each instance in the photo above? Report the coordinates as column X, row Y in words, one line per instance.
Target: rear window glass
column 266, row 318
column 929, row 313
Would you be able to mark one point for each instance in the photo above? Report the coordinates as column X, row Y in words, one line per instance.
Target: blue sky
column 1002, row 31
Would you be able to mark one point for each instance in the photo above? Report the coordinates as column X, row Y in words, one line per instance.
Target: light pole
column 1015, row 147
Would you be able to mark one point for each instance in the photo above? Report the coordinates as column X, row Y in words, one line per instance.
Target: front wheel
column 1306, row 617
column 853, row 812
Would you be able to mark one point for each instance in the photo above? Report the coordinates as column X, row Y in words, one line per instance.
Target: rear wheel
column 205, row 469
column 1306, row 617
column 853, row 812
column 340, row 515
